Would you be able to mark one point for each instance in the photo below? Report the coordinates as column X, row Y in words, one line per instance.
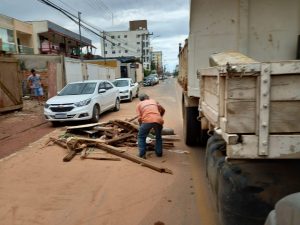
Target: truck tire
column 236, row 194
column 214, row 159
column 191, row 126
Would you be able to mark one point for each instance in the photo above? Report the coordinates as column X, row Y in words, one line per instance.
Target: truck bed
column 254, row 105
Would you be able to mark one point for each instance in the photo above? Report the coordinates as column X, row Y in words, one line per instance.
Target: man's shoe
column 143, row 156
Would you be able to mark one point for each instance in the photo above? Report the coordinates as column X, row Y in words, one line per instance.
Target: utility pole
column 104, row 37
column 79, row 23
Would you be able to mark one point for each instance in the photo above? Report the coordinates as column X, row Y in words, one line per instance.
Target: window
column 108, row 86
column 125, row 36
column 138, row 36
column 119, row 36
column 126, row 51
column 138, row 43
column 105, row 44
column 112, row 37
column 113, row 44
column 113, row 52
column 126, row 43
column 105, row 52
column 120, row 51
column 138, row 50
column 119, row 44
column 7, row 37
column 101, row 86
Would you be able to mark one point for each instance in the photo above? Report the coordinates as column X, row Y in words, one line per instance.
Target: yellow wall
column 23, row 27
column 109, row 63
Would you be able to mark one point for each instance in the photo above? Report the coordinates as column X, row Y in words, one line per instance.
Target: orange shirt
column 148, row 112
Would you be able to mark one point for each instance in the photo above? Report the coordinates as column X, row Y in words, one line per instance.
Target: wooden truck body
column 252, row 106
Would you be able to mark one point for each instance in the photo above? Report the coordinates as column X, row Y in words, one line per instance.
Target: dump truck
column 240, row 75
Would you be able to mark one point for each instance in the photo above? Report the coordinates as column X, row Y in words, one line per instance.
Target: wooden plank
column 285, row 87
column 285, row 67
column 133, row 158
column 285, row 117
column 10, row 108
column 210, row 113
column 120, row 138
column 240, row 116
column 222, row 95
column 243, row 88
column 280, row 147
column 87, row 125
column 211, row 100
column 211, row 85
column 125, row 125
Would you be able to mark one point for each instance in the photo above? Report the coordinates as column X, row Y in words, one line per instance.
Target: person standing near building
column 35, row 84
column 150, row 115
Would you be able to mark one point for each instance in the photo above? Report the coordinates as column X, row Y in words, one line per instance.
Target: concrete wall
column 113, row 64
column 77, row 71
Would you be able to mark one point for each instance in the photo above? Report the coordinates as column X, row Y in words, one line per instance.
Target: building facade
column 15, row 36
column 133, row 42
column 157, row 61
column 39, row 37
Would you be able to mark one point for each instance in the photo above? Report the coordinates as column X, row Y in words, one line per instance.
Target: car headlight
column 83, row 103
column 126, row 91
column 46, row 106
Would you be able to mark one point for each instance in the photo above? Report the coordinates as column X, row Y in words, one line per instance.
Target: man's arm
column 161, row 109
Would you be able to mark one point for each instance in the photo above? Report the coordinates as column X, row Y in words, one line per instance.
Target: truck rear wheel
column 191, row 126
column 193, row 134
column 247, row 190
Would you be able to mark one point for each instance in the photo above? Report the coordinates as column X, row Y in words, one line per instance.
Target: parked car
column 151, row 80
column 84, row 100
column 127, row 88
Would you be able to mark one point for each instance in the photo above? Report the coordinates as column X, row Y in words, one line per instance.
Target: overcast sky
column 167, row 19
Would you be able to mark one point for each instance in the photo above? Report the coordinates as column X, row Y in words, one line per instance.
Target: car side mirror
column 101, row 91
column 131, row 85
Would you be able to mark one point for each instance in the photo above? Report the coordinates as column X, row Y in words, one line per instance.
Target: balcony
column 25, row 50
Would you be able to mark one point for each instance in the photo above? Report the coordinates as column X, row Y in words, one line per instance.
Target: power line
column 75, row 19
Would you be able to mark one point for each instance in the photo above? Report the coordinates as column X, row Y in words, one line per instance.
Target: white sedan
column 128, row 89
column 84, row 100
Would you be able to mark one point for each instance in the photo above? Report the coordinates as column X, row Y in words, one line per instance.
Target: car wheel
column 137, row 93
column 130, row 97
column 117, row 105
column 96, row 113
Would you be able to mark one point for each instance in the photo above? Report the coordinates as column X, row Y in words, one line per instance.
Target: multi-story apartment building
column 134, row 42
column 157, row 61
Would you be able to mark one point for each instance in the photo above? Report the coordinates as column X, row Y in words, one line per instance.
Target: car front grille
column 61, row 108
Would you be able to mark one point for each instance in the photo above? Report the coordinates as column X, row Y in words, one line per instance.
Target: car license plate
column 60, row 116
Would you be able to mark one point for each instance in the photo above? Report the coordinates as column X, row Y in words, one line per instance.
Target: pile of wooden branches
column 91, row 139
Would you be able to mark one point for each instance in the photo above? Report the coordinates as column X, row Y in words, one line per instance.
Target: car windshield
column 121, row 83
column 78, row 89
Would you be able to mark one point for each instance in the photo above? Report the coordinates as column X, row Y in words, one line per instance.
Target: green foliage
column 146, row 72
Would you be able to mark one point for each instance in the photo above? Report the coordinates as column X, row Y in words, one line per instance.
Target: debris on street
column 105, row 140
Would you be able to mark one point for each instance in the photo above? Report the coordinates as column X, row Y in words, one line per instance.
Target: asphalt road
column 38, row 188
